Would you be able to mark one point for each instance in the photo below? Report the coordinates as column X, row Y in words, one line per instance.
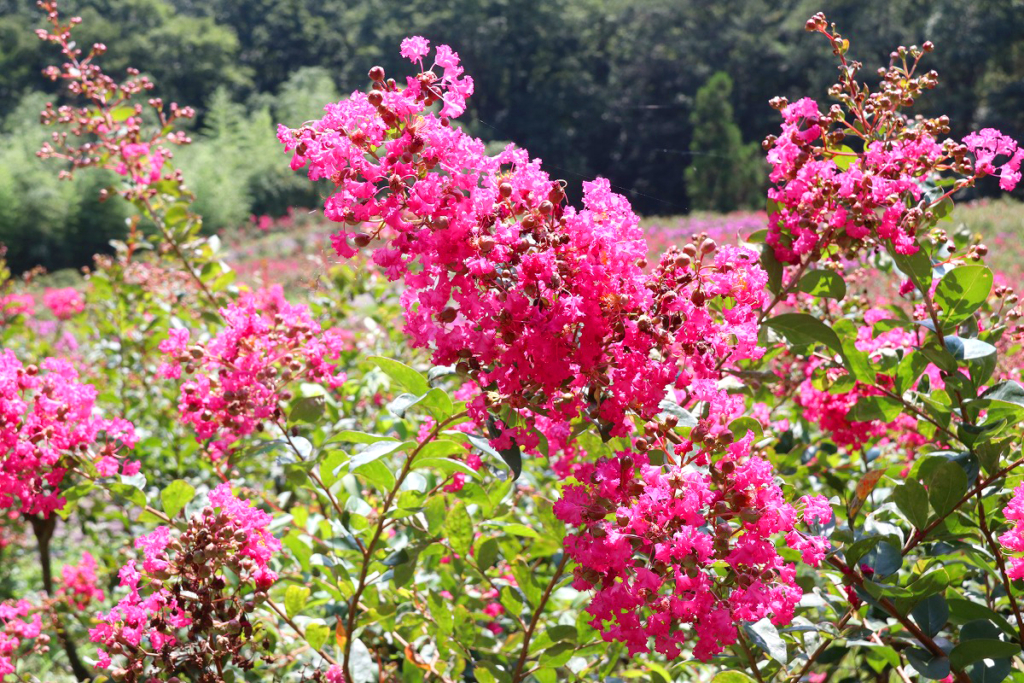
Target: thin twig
column 518, row 674
column 298, row 630
column 372, row 545
column 923, row 533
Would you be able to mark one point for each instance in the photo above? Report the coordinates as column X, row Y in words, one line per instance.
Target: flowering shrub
column 774, row 455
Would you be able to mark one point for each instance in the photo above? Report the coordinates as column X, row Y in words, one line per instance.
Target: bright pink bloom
column 415, row 48
column 79, row 583
column 47, row 422
column 64, row 303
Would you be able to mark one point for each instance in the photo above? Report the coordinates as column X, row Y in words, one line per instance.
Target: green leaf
column 438, row 403
column 1008, row 391
column 486, row 553
column 860, row 548
column 741, row 425
column 376, row 451
column 317, row 634
column 766, row 636
column 377, row 473
column 176, row 496
column 947, row 486
column 969, row 651
column 309, row 409
column 442, row 612
column 732, row 677
column 122, row 113
column 912, row 500
column 803, row 329
column 916, row 266
column 295, row 599
column 458, row 528
column 908, row 370
column 962, row 348
column 435, row 401
column 349, row 436
column 557, row 655
column 823, row 283
column 927, row 664
column 961, row 292
column 405, row 376
column 931, row 614
column 870, row 408
column 435, row 513
column 771, row 266
column 446, row 465
column 330, row 466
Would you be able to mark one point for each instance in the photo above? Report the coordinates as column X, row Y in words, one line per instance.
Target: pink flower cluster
column 239, row 377
column 829, row 193
column 1013, row 540
column 78, row 583
column 550, row 310
column 47, row 425
column 20, row 622
column 180, row 607
column 13, row 305
column 64, row 303
column 137, row 161
column 530, row 296
column 989, row 143
column 685, row 544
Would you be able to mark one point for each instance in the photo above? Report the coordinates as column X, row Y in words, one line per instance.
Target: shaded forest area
column 606, row 88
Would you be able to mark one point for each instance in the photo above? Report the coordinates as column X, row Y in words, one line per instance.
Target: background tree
column 725, row 174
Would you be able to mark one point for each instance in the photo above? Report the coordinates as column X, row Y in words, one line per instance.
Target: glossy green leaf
column 969, row 651
column 803, row 329
column 412, row 381
column 309, row 409
column 764, row 634
column 947, row 486
column 317, row 635
column 827, row 284
column 960, row 292
column 912, row 500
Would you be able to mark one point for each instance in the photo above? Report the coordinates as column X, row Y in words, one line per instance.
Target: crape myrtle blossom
column 650, row 541
column 78, row 583
column 239, row 378
column 533, row 297
column 1013, row 540
column 187, row 605
column 857, row 171
column 20, row 624
column 95, row 135
column 48, row 427
column 550, row 311
column 64, row 303
column 15, row 304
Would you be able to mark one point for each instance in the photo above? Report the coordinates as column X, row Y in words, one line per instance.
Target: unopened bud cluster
column 187, row 611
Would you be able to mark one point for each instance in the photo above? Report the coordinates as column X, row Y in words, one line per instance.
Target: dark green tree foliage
column 602, row 87
column 725, row 174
